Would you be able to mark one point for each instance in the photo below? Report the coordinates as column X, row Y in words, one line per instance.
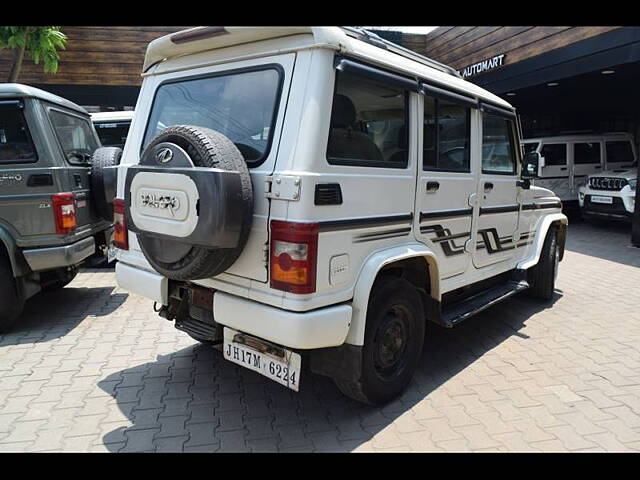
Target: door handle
column 598, row 166
column 563, row 169
column 488, row 186
column 432, row 187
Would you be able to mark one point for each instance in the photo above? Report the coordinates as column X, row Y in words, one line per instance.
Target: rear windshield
column 75, row 136
column 112, row 134
column 15, row 142
column 241, row 106
column 530, row 147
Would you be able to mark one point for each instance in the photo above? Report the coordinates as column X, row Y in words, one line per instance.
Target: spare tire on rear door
column 190, row 201
column 104, row 182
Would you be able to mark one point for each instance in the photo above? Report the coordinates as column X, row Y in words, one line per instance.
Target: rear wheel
column 11, row 299
column 394, row 337
column 542, row 277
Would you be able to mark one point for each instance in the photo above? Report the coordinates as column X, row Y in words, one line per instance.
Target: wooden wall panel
column 464, row 46
column 110, row 55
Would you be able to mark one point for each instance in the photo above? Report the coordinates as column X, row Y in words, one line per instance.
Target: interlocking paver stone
column 101, row 372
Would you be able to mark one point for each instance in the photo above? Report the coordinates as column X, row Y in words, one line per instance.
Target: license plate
column 272, row 361
column 599, row 199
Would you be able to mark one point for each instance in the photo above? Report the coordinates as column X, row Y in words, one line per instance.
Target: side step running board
column 457, row 312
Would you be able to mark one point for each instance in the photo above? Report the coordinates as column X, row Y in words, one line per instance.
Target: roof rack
column 374, row 39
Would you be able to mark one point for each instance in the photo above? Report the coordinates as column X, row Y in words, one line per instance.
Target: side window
column 619, row 152
column 75, row 136
column 554, row 154
column 498, row 152
column 368, row 124
column 15, row 141
column 586, row 153
column 446, row 136
column 530, row 147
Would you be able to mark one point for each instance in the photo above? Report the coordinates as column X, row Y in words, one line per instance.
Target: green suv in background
column 53, row 211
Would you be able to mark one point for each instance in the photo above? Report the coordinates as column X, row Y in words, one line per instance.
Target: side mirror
column 530, row 164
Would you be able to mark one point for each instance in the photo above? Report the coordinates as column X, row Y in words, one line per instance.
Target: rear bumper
column 319, row 328
column 40, row 259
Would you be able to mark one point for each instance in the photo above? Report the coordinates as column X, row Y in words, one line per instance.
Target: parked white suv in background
column 610, row 194
column 316, row 194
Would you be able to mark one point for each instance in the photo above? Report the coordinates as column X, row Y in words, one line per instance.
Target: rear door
column 497, row 193
column 26, row 184
column 587, row 159
column 246, row 101
column 446, row 182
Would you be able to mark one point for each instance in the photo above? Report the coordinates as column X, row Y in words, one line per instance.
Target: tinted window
column 368, row 124
column 446, row 136
column 15, row 141
column 530, row 147
column 498, row 154
column 75, row 136
column 112, row 134
column 241, row 106
column 554, row 154
column 619, row 152
column 585, row 153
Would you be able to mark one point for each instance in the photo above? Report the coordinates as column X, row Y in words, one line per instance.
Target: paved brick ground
column 94, row 369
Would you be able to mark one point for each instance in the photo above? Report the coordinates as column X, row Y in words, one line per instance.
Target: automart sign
column 482, row 66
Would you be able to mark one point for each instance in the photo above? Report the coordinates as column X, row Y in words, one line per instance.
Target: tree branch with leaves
column 40, row 43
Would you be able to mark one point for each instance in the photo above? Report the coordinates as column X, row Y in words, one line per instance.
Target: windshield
column 112, row 134
column 75, row 135
column 241, row 106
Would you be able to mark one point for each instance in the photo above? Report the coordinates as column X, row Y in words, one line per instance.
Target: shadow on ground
column 607, row 240
column 194, row 400
column 50, row 315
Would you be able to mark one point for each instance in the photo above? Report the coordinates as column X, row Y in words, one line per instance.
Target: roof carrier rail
column 374, row 39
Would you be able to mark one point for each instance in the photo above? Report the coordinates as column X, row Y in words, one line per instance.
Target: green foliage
column 41, row 43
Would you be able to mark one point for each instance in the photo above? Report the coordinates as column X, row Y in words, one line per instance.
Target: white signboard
column 483, row 66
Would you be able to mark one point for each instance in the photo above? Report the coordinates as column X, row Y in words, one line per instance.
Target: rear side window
column 498, row 152
column 554, row 154
column 446, row 136
column 619, row 151
column 368, row 124
column 112, row 134
column 242, row 105
column 15, row 141
column 75, row 136
column 586, row 153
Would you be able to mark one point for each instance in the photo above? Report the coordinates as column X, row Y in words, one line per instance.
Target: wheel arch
column 559, row 219
column 9, row 248
column 406, row 256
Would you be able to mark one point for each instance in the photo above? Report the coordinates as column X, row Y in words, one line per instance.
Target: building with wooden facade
column 99, row 68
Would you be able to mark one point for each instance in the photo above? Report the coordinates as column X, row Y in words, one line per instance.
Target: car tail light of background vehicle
column 120, row 233
column 294, row 248
column 64, row 212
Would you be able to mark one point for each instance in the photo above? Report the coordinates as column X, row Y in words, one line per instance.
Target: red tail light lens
column 293, row 259
column 120, row 233
column 64, row 212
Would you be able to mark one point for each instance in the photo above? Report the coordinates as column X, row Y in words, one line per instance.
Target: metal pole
column 635, row 227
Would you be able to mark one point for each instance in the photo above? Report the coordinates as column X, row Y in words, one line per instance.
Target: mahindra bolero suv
column 53, row 210
column 315, row 195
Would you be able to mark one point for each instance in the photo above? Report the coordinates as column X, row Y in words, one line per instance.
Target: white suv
column 315, row 194
column 610, row 194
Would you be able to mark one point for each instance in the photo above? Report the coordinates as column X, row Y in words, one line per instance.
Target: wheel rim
column 391, row 342
column 556, row 262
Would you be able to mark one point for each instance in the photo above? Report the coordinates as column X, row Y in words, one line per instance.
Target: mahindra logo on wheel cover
column 164, row 155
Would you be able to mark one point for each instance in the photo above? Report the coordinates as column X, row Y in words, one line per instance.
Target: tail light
column 64, row 212
column 294, row 249
column 120, row 233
